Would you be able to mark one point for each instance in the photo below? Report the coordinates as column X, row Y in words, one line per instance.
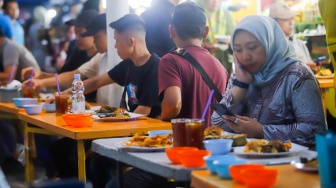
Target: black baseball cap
column 189, row 20
column 83, row 19
column 97, row 24
column 126, row 21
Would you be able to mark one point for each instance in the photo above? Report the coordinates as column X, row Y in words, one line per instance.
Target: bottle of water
column 78, row 99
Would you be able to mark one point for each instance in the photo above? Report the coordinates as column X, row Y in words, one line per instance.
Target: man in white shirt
column 98, row 65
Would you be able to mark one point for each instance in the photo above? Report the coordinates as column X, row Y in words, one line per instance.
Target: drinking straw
column 58, row 87
column 31, row 77
column 12, row 73
column 208, row 103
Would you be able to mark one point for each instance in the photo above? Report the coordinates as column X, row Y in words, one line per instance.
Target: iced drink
column 195, row 133
column 179, row 132
column 28, row 91
column 61, row 104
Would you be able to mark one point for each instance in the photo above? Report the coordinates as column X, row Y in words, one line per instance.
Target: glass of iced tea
column 28, row 91
column 61, row 104
column 194, row 130
column 179, row 132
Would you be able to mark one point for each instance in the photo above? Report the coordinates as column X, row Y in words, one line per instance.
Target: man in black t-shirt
column 138, row 72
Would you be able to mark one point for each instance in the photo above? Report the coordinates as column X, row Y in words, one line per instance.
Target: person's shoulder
column 155, row 58
column 299, row 69
column 12, row 45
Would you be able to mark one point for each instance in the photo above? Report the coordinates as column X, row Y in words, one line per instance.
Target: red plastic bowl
column 235, row 170
column 77, row 120
column 193, row 159
column 173, row 154
column 259, row 178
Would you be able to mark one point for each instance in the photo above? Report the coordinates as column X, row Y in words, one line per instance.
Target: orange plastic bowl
column 173, row 154
column 193, row 159
column 77, row 120
column 259, row 178
column 235, row 170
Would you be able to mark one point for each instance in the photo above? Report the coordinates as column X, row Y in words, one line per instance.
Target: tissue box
column 7, row 94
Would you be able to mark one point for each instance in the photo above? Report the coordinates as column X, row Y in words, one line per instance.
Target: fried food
column 121, row 113
column 309, row 163
column 213, row 132
column 238, row 139
column 324, row 72
column 87, row 106
column 106, row 109
column 153, row 142
column 264, row 146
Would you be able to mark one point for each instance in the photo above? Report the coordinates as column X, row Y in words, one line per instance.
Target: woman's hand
column 246, row 125
column 242, row 74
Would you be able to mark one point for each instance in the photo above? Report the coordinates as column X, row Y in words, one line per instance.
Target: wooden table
column 325, row 84
column 288, row 177
column 49, row 123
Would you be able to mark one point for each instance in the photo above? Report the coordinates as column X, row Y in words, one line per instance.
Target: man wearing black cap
column 85, row 49
column 96, row 66
column 181, row 86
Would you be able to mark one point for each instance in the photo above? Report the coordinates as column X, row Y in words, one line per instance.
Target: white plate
column 294, row 150
column 318, row 76
column 134, row 116
column 301, row 166
column 123, row 147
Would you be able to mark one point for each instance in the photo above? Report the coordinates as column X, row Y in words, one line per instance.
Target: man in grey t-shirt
column 13, row 53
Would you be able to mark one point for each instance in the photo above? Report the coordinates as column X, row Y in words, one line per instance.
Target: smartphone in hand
column 221, row 109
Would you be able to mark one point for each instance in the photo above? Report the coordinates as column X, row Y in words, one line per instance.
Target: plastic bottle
column 78, row 99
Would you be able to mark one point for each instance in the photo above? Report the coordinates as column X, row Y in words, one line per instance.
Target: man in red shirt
column 181, row 86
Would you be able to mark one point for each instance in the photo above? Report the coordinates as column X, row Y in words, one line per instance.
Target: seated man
column 14, row 57
column 85, row 50
column 96, row 66
column 181, row 86
column 138, row 73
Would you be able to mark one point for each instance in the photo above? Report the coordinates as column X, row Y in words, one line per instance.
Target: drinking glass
column 61, row 104
column 179, row 132
column 195, row 133
column 28, row 91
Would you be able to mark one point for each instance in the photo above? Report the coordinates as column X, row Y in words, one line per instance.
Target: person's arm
column 172, row 103
column 4, row 76
column 145, row 110
column 96, row 82
column 64, row 79
column 308, row 111
column 26, row 72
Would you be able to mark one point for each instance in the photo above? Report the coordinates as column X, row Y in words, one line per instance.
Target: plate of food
column 113, row 117
column 264, row 148
column 140, row 143
column 306, row 165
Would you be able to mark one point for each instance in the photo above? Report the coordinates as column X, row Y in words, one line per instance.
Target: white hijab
column 279, row 52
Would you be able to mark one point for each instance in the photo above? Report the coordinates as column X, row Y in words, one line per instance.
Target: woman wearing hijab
column 275, row 95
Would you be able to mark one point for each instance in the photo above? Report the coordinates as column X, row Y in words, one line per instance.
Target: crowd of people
column 264, row 79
